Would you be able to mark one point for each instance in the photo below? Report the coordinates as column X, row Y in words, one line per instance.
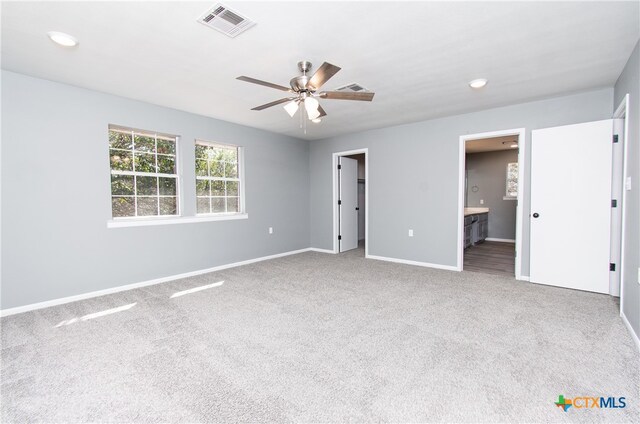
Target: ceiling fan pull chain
column 301, row 117
column 304, row 121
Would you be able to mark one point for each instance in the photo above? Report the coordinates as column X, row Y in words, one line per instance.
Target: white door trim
column 336, row 211
column 622, row 112
column 522, row 145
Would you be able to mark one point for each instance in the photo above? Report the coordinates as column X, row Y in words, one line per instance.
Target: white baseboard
column 523, row 278
column 60, row 301
column 500, row 240
column 315, row 249
column 416, row 263
column 634, row 336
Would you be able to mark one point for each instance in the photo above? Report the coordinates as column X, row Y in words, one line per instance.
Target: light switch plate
column 270, row 230
column 627, row 184
column 410, row 233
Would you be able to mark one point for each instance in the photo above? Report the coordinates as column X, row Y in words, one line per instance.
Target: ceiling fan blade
column 322, row 112
column 277, row 102
column 322, row 75
column 345, row 95
column 260, row 82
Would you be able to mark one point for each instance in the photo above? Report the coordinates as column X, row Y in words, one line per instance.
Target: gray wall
column 629, row 83
column 55, row 188
column 413, row 175
column 488, row 171
column 56, row 195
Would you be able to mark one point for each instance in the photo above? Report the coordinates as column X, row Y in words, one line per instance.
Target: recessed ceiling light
column 62, row 39
column 478, row 83
column 316, row 121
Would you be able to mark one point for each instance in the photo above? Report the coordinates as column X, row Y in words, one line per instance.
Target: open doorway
column 350, row 200
column 490, row 215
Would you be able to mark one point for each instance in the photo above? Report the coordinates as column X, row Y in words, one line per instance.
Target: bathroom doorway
column 490, row 202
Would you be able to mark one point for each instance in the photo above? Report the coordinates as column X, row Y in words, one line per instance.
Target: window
column 144, row 179
column 512, row 180
column 218, row 183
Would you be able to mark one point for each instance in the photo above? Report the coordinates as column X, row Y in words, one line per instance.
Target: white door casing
column 571, row 206
column 348, row 200
column 616, row 212
column 522, row 193
column 361, row 209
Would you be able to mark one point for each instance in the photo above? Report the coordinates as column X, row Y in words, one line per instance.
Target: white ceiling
column 416, row 56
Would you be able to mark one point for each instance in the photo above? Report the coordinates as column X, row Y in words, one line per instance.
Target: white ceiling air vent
column 225, row 20
column 352, row 88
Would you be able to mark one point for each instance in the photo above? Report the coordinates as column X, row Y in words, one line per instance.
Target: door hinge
column 339, row 166
column 612, row 267
column 615, row 138
column 339, row 237
column 339, row 202
column 614, row 203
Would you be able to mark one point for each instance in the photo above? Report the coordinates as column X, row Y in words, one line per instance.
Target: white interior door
column 348, row 203
column 571, row 206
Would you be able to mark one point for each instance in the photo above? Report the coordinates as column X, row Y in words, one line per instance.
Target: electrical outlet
column 638, row 275
column 270, row 230
column 482, row 201
column 410, row 233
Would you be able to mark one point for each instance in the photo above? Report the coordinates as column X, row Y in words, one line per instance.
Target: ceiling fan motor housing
column 299, row 84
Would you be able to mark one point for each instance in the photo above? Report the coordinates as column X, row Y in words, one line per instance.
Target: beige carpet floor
column 321, row 338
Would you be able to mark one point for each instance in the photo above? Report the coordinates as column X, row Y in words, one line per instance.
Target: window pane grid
column 218, row 168
column 138, row 188
column 143, row 174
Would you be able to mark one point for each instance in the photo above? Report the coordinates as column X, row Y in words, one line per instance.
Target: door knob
column 535, row 215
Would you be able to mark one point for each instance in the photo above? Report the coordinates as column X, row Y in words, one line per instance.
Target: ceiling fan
column 305, row 90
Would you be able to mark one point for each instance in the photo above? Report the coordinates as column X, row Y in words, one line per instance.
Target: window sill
column 119, row 223
column 509, row 198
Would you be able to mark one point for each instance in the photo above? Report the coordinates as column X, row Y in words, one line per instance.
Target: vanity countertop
column 475, row 211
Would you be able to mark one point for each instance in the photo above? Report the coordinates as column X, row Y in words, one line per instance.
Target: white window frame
column 507, row 196
column 176, row 175
column 123, row 222
column 240, row 180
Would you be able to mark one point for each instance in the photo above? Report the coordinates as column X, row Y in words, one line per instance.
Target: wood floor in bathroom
column 491, row 257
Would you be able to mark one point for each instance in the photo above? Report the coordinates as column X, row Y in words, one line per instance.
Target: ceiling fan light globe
column 311, row 105
column 313, row 115
column 291, row 108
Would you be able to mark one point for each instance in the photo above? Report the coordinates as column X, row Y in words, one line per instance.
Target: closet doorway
column 350, row 199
